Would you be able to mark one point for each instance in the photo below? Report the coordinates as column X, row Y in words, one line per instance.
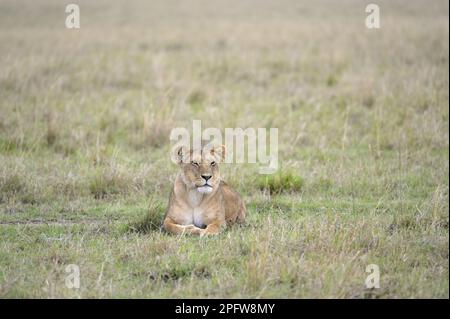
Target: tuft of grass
column 152, row 221
column 282, row 181
column 8, row 145
column 196, row 99
column 14, row 188
column 331, row 80
column 12, row 184
column 51, row 134
column 106, row 182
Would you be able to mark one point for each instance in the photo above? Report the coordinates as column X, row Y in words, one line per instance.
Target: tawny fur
column 191, row 211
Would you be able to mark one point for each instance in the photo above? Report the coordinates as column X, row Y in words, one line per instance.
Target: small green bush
column 282, row 181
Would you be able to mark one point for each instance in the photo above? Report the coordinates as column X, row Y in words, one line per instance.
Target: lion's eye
column 194, row 163
column 213, row 163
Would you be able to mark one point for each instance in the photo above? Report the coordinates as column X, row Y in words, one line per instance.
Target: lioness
column 201, row 203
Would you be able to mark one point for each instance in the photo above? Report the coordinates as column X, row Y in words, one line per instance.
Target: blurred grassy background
column 363, row 119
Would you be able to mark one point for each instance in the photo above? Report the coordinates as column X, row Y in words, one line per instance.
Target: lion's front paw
column 207, row 232
column 192, row 229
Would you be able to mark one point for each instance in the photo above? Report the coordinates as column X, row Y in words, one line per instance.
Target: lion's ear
column 219, row 152
column 178, row 153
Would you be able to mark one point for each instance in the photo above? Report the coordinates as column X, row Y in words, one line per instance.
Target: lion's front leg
column 213, row 229
column 177, row 229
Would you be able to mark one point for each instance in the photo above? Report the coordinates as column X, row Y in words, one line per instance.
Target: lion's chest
column 195, row 214
column 198, row 217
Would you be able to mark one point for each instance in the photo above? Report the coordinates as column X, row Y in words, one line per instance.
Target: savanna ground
column 363, row 119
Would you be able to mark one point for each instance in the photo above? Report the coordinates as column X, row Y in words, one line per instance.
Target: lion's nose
column 206, row 177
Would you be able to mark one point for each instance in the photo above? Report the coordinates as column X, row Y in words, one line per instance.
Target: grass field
column 363, row 119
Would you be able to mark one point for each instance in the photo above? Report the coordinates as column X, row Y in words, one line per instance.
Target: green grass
column 281, row 181
column 363, row 120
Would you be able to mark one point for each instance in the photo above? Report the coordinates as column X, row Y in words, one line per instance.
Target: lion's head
column 200, row 168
